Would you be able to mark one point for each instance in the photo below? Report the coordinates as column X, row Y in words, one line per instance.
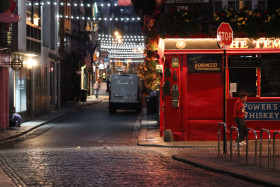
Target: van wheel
column 112, row 110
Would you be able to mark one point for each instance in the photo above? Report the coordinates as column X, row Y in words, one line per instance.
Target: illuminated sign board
column 211, row 43
column 255, row 44
column 198, row 63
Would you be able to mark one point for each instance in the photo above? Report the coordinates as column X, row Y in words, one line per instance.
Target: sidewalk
column 28, row 126
column 204, row 154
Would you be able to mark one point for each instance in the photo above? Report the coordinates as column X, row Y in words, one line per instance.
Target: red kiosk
column 199, row 89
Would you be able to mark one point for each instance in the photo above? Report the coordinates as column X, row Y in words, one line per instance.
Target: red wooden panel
column 205, row 95
column 205, row 105
column 202, row 130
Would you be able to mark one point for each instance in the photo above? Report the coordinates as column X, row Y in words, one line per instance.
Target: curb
column 173, row 146
column 218, row 168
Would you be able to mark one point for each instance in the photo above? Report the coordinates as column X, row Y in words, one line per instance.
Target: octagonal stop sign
column 224, row 35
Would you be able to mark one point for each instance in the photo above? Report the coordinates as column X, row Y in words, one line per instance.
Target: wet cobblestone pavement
column 108, row 166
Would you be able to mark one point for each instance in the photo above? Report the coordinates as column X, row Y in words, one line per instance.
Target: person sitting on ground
column 15, row 119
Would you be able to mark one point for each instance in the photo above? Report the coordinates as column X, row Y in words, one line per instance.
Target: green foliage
column 187, row 23
column 147, row 72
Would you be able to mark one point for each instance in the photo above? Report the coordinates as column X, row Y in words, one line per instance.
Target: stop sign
column 224, row 35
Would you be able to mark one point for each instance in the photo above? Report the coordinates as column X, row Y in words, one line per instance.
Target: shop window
column 33, row 13
column 52, row 82
column 45, row 81
column 262, row 4
column 20, row 90
column 37, row 77
column 270, row 76
column 53, row 27
column 217, row 5
column 233, row 5
column 248, row 4
column 244, row 80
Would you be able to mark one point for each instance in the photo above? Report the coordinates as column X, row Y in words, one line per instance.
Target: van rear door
column 124, row 88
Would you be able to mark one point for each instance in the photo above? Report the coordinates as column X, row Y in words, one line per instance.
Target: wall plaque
column 175, row 62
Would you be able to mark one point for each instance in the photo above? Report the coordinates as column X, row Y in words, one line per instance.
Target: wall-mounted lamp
column 30, row 63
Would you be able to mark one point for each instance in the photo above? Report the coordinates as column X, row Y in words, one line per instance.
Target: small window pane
column 245, row 78
column 270, row 76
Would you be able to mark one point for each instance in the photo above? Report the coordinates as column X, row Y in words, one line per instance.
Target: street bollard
column 225, row 139
column 260, row 159
column 238, row 146
column 256, row 146
column 274, row 149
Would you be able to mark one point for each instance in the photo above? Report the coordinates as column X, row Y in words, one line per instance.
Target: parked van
column 124, row 92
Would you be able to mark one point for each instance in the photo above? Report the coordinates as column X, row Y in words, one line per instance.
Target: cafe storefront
column 199, row 86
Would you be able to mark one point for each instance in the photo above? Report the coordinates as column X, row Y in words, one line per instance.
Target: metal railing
column 247, row 145
column 274, row 149
column 256, row 146
column 260, row 160
column 225, row 139
column 237, row 140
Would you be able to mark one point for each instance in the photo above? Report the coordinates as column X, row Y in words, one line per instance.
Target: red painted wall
column 4, row 97
column 172, row 115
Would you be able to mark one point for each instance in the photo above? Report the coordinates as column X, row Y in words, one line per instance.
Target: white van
column 124, row 92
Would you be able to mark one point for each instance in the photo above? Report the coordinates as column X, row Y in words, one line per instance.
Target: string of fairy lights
column 127, row 46
column 72, row 4
column 124, row 19
column 136, row 61
column 87, row 5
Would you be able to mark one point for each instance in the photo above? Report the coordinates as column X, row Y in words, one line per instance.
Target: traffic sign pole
column 224, row 38
column 225, row 87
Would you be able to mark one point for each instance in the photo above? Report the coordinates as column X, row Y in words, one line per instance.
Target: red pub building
column 199, row 86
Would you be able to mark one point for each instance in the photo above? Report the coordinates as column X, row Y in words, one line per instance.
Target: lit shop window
column 52, row 82
column 20, row 90
column 33, row 12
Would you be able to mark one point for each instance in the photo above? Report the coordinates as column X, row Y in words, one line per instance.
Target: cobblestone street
column 107, row 166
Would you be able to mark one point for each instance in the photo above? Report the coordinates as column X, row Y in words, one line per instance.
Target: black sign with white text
column 198, row 63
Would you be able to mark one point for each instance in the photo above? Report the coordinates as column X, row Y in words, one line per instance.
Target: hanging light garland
column 73, row 4
column 131, row 51
column 122, row 19
column 136, row 61
column 103, row 37
column 126, row 56
column 99, row 19
column 119, row 47
column 129, row 42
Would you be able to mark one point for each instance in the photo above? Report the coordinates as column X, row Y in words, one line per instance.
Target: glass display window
column 20, row 90
column 243, row 75
column 270, row 76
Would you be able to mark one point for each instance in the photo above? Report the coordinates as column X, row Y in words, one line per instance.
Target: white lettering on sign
column 262, row 111
column 225, row 35
column 255, row 44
